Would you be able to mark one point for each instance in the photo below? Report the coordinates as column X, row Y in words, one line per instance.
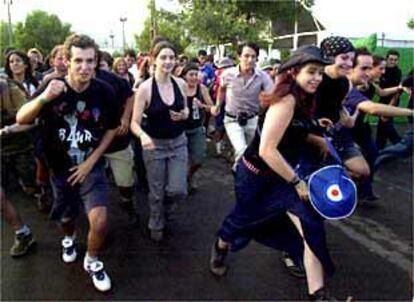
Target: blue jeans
column 403, row 148
column 260, row 214
column 92, row 192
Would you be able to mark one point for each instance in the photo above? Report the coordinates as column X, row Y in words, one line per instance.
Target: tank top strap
column 198, row 94
column 155, row 93
column 177, row 91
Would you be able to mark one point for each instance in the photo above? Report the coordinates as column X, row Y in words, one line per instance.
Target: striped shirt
column 243, row 96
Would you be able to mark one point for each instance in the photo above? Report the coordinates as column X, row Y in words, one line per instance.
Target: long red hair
column 286, row 84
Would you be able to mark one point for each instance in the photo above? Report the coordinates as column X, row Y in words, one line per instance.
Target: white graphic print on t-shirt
column 76, row 135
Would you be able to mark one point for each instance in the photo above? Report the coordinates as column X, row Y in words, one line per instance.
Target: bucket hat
column 332, row 193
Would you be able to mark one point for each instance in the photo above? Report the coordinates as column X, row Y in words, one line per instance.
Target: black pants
column 363, row 137
column 386, row 131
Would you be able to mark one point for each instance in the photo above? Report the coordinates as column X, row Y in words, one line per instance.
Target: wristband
column 7, row 130
column 140, row 133
column 43, row 101
column 295, row 181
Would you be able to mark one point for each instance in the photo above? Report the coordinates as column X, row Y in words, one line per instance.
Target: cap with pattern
column 335, row 45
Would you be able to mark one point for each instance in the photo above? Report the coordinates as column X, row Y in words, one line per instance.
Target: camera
column 242, row 119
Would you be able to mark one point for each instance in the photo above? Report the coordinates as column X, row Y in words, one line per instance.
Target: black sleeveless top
column 291, row 144
column 197, row 114
column 158, row 122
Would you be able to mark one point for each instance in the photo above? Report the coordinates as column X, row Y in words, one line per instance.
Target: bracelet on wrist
column 43, row 101
column 141, row 133
column 295, row 181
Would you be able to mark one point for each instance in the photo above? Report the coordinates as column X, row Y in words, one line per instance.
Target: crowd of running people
column 69, row 119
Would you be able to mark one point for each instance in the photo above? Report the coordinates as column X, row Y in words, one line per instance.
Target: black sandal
column 295, row 269
column 321, row 295
column 218, row 265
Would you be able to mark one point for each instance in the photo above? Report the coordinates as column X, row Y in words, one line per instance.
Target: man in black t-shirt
column 77, row 120
column 391, row 78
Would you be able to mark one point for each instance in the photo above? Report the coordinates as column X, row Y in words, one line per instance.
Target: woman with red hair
column 270, row 197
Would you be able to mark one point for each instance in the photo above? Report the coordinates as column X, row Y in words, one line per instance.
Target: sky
column 351, row 18
column 359, row 18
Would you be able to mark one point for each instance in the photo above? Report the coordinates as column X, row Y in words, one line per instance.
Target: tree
column 168, row 25
column 42, row 31
column 220, row 22
column 270, row 9
column 4, row 40
column 369, row 42
column 143, row 40
column 217, row 22
column 410, row 23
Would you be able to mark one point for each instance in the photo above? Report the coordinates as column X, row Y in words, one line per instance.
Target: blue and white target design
column 332, row 193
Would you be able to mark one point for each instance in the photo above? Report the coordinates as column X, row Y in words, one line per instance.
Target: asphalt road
column 372, row 251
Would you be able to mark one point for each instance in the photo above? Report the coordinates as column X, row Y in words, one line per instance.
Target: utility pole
column 153, row 31
column 112, row 36
column 123, row 20
column 9, row 3
column 295, row 35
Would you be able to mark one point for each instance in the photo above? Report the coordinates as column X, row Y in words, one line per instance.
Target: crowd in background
column 147, row 119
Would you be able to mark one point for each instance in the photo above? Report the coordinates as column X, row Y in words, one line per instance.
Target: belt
column 236, row 116
column 255, row 170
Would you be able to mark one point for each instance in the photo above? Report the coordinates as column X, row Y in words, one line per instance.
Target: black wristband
column 295, row 181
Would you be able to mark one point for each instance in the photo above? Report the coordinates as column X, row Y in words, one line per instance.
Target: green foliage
column 143, row 40
column 270, row 9
column 116, row 54
column 214, row 22
column 369, row 42
column 40, row 30
column 217, row 22
column 4, row 40
column 284, row 54
column 221, row 22
column 168, row 25
column 410, row 23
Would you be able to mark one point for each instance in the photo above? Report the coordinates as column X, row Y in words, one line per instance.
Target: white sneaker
column 69, row 253
column 100, row 278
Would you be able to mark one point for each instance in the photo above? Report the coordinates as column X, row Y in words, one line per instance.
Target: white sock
column 23, row 230
column 72, row 237
column 90, row 259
